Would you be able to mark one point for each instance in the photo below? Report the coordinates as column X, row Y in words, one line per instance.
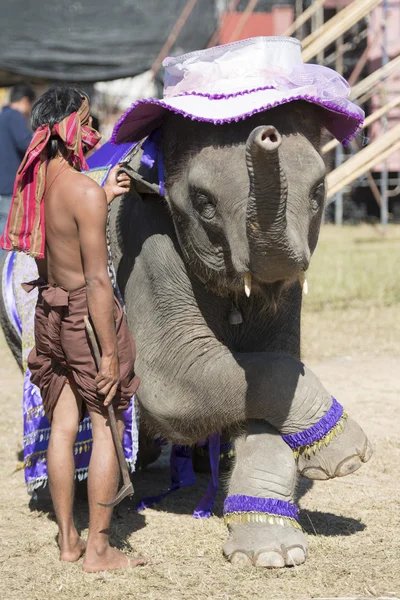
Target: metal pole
column 339, row 194
column 299, row 10
column 319, row 22
column 339, row 148
column 384, row 121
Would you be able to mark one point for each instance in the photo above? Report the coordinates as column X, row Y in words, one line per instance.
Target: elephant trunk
column 266, row 209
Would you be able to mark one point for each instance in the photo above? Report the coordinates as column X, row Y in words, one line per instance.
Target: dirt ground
column 353, row 523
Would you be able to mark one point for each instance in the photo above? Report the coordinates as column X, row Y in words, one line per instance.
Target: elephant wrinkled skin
column 243, row 204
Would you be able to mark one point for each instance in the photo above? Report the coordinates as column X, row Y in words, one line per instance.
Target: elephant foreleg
column 264, row 469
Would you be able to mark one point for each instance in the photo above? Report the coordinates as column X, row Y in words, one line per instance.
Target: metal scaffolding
column 322, row 36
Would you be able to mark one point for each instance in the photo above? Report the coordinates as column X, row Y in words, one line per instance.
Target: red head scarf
column 25, row 229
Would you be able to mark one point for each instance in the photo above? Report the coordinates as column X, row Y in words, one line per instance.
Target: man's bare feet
column 71, row 547
column 108, row 560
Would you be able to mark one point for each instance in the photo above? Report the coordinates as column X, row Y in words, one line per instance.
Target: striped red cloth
column 25, row 228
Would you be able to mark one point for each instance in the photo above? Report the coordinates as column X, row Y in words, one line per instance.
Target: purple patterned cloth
column 273, row 506
column 8, row 293
column 182, row 475
column 37, row 435
column 151, row 153
column 318, row 430
column 109, row 155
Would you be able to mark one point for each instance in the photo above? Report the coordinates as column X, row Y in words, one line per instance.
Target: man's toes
column 137, row 562
column 269, row 559
column 240, row 559
column 295, row 556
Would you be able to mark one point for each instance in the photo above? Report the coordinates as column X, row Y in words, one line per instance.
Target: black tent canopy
column 94, row 40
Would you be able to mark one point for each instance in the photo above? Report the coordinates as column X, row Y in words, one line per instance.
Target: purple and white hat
column 232, row 82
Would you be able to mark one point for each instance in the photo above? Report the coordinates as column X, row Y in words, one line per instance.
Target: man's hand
column 108, row 378
column 116, row 184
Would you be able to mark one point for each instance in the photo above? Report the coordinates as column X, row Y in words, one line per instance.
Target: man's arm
column 91, row 217
column 20, row 132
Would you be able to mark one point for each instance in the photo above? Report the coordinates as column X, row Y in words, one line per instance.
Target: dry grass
column 353, row 303
column 353, row 523
column 355, row 267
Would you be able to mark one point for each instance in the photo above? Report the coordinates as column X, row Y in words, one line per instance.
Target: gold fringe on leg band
column 260, row 517
column 324, row 441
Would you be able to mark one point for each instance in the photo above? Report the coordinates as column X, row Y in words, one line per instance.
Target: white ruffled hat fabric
column 234, row 81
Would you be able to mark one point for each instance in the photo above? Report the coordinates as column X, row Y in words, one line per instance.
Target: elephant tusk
column 303, row 282
column 247, row 284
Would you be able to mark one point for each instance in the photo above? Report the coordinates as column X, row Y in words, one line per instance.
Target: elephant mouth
column 271, row 291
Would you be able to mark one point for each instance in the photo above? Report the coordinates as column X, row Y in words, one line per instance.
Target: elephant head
column 247, row 197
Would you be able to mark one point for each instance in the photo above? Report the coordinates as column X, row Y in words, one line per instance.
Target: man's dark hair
column 22, row 90
column 51, row 108
column 95, row 122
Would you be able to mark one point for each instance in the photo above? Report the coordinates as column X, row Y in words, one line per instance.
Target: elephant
column 211, row 274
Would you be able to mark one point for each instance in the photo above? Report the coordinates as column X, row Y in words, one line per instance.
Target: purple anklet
column 249, row 509
column 319, row 434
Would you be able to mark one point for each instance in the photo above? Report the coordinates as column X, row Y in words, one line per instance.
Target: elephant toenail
column 295, row 556
column 347, row 466
column 315, row 473
column 269, row 560
column 241, row 559
column 368, row 452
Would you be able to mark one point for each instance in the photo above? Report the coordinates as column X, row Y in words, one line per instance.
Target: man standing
column 58, row 215
column 15, row 137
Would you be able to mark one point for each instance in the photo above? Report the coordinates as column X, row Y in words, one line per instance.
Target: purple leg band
column 317, row 431
column 249, row 504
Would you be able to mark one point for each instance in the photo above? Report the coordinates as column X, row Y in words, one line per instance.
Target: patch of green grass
column 354, row 267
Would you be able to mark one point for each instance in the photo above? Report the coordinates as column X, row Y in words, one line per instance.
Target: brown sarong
column 62, row 351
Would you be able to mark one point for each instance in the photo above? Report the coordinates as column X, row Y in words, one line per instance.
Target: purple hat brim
column 342, row 118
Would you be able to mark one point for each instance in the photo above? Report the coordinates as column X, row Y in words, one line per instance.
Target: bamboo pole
column 339, row 24
column 349, row 12
column 188, row 8
column 363, row 169
column 368, row 121
column 369, row 82
column 363, row 161
column 362, row 61
column 304, row 17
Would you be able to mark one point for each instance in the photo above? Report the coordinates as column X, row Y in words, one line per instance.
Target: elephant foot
column 339, row 454
column 265, row 545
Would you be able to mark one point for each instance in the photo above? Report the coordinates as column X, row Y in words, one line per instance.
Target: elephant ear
column 142, row 185
column 144, row 175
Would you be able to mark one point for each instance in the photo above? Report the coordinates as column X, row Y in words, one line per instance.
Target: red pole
column 215, row 38
column 251, row 5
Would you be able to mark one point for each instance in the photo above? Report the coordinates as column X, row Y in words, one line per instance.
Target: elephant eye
column 318, row 197
column 204, row 205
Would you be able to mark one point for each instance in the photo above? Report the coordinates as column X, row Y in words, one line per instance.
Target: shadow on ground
column 155, row 480
column 124, row 522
